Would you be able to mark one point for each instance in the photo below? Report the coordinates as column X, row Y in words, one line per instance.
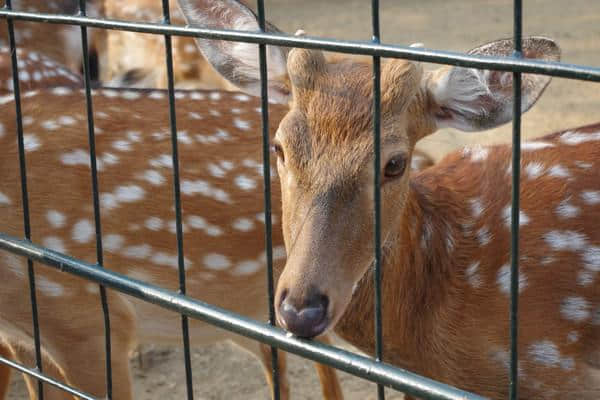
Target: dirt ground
column 223, row 372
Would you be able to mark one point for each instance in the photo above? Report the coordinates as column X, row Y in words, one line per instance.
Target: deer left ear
column 238, row 61
column 473, row 100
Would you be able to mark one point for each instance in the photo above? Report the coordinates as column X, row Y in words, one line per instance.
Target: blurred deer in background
column 138, row 60
column 61, row 43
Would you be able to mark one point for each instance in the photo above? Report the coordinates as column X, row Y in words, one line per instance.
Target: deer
column 221, row 187
column 61, row 43
column 137, row 60
column 223, row 219
column 445, row 230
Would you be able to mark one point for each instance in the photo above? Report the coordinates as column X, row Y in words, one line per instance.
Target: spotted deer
column 35, row 71
column 221, row 187
column 59, row 42
column 138, row 60
column 445, row 230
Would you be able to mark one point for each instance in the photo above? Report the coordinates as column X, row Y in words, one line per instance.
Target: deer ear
column 236, row 61
column 472, row 100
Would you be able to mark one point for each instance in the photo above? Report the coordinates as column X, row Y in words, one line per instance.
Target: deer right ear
column 236, row 61
column 473, row 100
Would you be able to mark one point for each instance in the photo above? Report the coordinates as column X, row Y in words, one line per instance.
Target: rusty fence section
column 373, row 369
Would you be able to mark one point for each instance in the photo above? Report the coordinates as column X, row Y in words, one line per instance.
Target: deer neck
column 419, row 288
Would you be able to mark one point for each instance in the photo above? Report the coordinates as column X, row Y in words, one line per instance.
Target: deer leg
column 330, row 383
column 5, row 371
column 263, row 353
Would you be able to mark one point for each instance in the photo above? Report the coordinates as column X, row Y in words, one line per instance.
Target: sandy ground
column 223, row 372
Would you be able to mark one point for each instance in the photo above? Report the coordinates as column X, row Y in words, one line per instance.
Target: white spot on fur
column 558, row 171
column 472, row 273
column 113, row 242
column 591, row 258
column 48, row 287
column 54, row 243
column 572, row 337
column 153, row 177
column 241, row 124
column 575, row 138
column 31, row 142
column 129, row 193
column 476, row 152
column 66, row 120
column 169, row 260
column 503, row 279
column 164, row 160
column 567, row 210
column 204, row 188
column 565, row 240
column 534, row 170
column 241, row 97
column 197, row 222
column 545, row 353
column 92, row 288
column 484, row 236
column 217, row 262
column 61, row 91
column 575, row 308
column 585, row 278
column 157, row 95
column 476, row 207
column 4, row 199
column 245, row 183
column 139, row 252
column 243, row 224
column 214, row 96
column 532, row 146
column 76, row 157
column 583, row 165
column 216, row 171
column 56, row 219
column 50, row 125
column 154, row 223
column 247, row 267
column 506, row 216
column 83, row 231
column 121, row 145
column 591, row 197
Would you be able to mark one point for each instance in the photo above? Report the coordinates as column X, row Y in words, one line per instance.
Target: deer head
column 324, row 149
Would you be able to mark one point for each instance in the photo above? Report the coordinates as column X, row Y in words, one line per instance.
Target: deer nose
column 309, row 321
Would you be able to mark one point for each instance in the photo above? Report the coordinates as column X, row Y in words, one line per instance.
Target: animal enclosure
column 376, row 371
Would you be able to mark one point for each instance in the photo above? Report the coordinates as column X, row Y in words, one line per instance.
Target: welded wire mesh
column 375, row 370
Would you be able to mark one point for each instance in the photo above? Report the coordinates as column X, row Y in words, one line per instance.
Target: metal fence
column 374, row 370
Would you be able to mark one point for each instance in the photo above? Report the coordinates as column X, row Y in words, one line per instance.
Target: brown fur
column 71, row 326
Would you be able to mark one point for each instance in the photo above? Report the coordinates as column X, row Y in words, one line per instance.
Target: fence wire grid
column 375, row 370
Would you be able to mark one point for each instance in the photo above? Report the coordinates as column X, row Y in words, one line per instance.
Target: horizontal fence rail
column 46, row 379
column 361, row 366
column 550, row 68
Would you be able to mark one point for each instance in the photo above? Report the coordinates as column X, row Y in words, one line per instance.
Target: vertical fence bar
column 177, row 198
column 25, row 198
column 377, row 189
column 516, row 173
column 262, row 54
column 95, row 196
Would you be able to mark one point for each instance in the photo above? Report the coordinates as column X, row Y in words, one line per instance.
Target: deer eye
column 395, row 166
column 278, row 150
